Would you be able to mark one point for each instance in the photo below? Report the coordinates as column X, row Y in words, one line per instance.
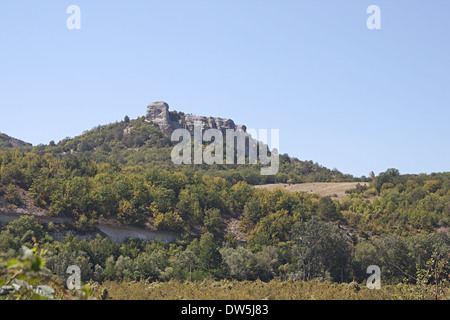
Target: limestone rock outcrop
column 159, row 114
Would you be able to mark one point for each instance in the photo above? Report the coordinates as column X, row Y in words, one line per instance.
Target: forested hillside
column 121, row 173
column 137, row 142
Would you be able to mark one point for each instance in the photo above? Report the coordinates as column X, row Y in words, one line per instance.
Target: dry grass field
column 335, row 190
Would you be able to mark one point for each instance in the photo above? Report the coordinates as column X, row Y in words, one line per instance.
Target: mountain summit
column 168, row 121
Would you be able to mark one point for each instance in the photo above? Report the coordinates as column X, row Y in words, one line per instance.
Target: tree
column 122, row 267
column 12, row 196
column 239, row 262
column 24, row 230
column 327, row 210
column 321, row 250
column 394, row 255
column 84, row 146
column 385, row 177
column 185, row 260
column 240, row 193
column 100, row 249
column 170, row 221
column 126, row 119
column 127, row 213
column 265, row 263
column 208, row 254
column 108, row 272
column 364, row 255
column 272, row 229
column 243, row 264
column 213, row 221
column 149, row 265
column 253, row 212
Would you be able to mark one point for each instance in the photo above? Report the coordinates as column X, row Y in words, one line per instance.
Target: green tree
column 321, row 250
column 385, row 177
column 23, row 231
column 12, row 196
column 239, row 262
column 170, row 221
column 127, row 213
column 327, row 209
column 185, row 260
column 266, row 262
column 213, row 221
column 208, row 253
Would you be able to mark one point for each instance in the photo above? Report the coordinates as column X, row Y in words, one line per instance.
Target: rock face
column 158, row 113
column 10, row 142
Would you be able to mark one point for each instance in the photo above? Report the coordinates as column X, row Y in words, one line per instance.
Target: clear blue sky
column 342, row 95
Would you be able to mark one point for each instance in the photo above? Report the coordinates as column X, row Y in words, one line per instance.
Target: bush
column 12, row 196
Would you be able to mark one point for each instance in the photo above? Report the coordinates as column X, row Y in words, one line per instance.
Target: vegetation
column 23, row 276
column 259, row 290
column 7, row 142
column 318, row 253
column 139, row 143
column 400, row 204
column 286, row 241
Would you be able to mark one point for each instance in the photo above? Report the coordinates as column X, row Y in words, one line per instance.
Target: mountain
column 118, row 181
column 145, row 142
column 7, row 142
column 123, row 173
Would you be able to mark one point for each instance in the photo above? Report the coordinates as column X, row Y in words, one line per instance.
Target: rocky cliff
column 168, row 121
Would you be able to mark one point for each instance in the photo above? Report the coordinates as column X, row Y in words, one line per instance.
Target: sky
column 341, row 94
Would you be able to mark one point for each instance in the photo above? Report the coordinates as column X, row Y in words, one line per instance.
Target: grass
column 335, row 190
column 258, row 290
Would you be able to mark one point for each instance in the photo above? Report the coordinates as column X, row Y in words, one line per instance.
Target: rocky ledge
column 168, row 121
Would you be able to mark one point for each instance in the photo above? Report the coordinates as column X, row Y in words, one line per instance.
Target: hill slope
column 7, row 142
column 138, row 142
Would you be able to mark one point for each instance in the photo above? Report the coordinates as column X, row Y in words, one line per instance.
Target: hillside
column 141, row 143
column 123, row 172
column 227, row 228
column 7, row 142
